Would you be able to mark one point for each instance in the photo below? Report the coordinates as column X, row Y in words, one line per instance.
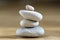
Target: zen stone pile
column 30, row 24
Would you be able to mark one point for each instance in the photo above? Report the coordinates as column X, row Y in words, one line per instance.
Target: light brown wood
column 8, row 33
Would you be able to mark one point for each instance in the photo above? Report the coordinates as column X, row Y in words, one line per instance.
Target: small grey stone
column 27, row 23
column 29, row 7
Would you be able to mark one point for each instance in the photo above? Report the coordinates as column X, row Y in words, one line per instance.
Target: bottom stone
column 30, row 32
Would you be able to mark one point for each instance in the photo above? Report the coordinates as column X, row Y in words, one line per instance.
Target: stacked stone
column 30, row 24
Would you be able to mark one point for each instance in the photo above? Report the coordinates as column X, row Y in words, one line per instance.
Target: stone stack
column 30, row 24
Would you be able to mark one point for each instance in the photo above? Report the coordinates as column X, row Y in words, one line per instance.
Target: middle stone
column 28, row 23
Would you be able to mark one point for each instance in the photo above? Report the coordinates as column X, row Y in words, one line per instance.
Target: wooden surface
column 8, row 33
column 10, row 18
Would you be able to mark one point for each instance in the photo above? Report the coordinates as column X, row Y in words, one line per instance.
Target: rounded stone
column 29, row 7
column 27, row 23
column 31, row 15
column 30, row 32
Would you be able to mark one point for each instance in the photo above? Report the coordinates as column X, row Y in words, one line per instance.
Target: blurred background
column 9, row 12
column 10, row 18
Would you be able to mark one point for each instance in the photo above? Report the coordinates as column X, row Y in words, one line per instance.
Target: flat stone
column 28, row 23
column 33, row 15
column 30, row 32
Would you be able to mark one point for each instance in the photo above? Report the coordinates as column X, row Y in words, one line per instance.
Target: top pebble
column 29, row 7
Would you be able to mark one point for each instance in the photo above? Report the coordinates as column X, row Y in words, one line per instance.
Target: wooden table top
column 9, row 33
